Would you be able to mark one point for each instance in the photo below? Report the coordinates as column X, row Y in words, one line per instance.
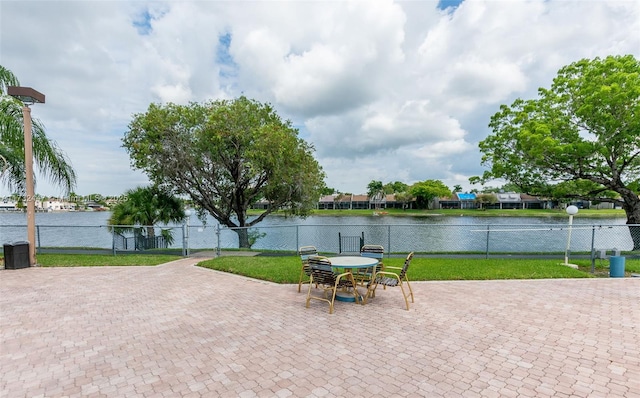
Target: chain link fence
column 488, row 240
column 452, row 239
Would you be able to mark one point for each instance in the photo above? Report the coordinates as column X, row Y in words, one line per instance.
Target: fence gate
column 350, row 244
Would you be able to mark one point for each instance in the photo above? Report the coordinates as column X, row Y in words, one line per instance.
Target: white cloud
column 385, row 90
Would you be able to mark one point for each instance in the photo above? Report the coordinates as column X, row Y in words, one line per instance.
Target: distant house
column 514, row 200
column 467, row 200
column 343, row 202
column 6, row 205
column 505, row 200
column 458, row 200
column 390, row 202
column 94, row 206
column 534, row 202
column 359, row 202
column 509, row 200
column 326, row 202
column 54, row 204
column 261, row 205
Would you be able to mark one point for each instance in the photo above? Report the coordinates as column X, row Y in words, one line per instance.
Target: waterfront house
column 8, row 205
column 458, row 200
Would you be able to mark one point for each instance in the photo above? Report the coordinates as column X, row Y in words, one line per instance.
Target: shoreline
column 553, row 213
column 398, row 213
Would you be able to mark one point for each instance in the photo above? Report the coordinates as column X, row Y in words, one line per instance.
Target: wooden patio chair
column 304, row 252
column 364, row 276
column 328, row 282
column 393, row 279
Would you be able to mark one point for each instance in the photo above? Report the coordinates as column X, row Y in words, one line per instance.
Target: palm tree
column 51, row 162
column 375, row 192
column 142, row 209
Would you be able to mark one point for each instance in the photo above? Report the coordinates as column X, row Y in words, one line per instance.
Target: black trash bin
column 16, row 255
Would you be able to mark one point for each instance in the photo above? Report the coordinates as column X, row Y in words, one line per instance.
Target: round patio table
column 347, row 263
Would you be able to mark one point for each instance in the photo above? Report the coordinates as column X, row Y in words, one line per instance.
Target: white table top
column 353, row 261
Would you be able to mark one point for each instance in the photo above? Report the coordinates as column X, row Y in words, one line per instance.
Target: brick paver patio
column 179, row 330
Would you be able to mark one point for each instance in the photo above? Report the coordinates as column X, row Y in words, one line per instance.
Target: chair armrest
column 387, row 273
column 393, row 268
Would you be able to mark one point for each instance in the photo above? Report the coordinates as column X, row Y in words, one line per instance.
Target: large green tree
column 144, row 207
column 49, row 159
column 580, row 139
column 395, row 187
column 426, row 191
column 227, row 155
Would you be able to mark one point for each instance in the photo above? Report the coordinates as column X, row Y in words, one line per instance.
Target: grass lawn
column 93, row 260
column 287, row 269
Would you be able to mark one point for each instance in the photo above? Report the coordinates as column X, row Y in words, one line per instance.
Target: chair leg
column 410, row 290
column 404, row 296
column 371, row 292
column 301, row 279
column 356, row 293
column 333, row 298
column 308, row 294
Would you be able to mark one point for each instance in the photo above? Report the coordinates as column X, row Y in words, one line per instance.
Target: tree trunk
column 631, row 206
column 243, row 238
column 635, row 235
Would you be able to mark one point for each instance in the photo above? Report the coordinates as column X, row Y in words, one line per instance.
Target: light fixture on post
column 571, row 211
column 28, row 96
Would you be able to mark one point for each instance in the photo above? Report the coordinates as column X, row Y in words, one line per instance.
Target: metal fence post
column 38, row 239
column 113, row 241
column 218, row 233
column 297, row 237
column 486, row 255
column 593, row 249
column 184, row 240
column 388, row 240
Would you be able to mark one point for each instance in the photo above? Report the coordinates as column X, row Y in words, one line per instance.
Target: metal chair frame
column 325, row 279
column 304, row 252
column 393, row 279
column 366, row 275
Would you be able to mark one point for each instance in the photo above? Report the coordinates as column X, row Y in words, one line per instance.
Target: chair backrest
column 321, row 270
column 306, row 251
column 405, row 267
column 373, row 251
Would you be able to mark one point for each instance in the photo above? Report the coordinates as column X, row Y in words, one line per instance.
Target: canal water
column 399, row 234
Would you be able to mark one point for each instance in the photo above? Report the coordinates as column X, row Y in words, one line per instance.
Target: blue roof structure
column 466, row 196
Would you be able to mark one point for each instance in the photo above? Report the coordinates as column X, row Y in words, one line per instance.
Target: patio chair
column 305, row 252
column 393, row 279
column 364, row 276
column 328, row 282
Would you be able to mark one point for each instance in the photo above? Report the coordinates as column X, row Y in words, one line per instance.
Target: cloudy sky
column 384, row 90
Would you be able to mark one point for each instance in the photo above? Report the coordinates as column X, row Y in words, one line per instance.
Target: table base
column 347, row 296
